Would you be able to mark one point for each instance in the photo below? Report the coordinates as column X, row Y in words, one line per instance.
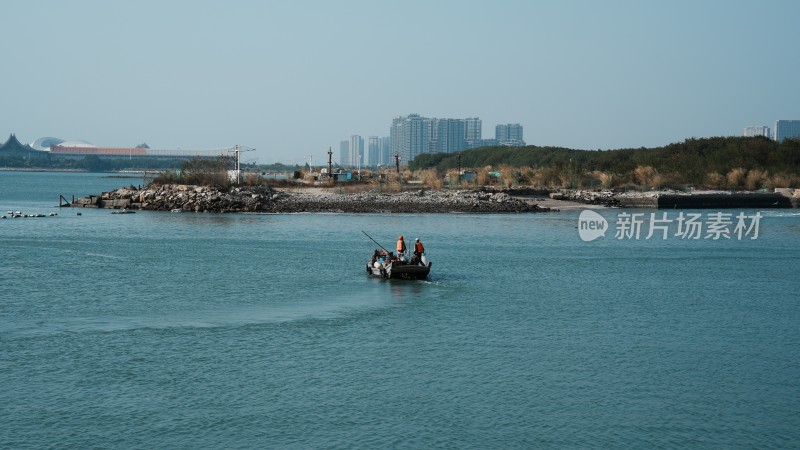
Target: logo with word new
column 591, row 225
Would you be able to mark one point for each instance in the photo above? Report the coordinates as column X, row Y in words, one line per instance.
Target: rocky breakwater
column 180, row 198
column 589, row 197
column 671, row 199
column 266, row 200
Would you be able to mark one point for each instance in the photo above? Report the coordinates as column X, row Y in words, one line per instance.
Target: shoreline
column 266, row 199
column 34, row 169
column 696, row 199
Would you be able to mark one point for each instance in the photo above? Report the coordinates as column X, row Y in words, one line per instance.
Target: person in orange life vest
column 401, row 246
column 419, row 249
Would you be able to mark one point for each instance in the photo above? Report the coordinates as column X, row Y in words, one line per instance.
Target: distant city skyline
column 285, row 78
column 378, row 152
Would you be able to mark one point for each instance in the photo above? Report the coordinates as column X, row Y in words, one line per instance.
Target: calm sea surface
column 164, row 330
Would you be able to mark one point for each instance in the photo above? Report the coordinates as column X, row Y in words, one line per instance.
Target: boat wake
column 229, row 318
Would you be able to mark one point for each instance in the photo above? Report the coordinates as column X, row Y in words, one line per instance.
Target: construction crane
column 236, row 150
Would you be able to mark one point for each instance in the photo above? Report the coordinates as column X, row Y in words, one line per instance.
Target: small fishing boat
column 386, row 265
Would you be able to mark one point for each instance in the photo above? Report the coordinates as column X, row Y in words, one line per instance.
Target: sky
column 293, row 78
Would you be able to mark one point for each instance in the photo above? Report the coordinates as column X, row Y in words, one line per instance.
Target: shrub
column 393, row 182
column 645, row 176
column 252, row 179
column 451, row 179
column 206, row 172
column 483, row 176
column 526, row 175
column 781, row 181
column 755, row 179
column 430, row 178
column 508, row 175
column 546, row 177
column 736, row 178
column 607, row 180
column 168, row 177
column 715, row 180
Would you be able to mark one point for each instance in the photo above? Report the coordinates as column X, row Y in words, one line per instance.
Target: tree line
column 717, row 162
column 89, row 163
column 94, row 163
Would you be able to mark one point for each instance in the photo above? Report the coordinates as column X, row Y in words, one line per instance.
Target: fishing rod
column 373, row 240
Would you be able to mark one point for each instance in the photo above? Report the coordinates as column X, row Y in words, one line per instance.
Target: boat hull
column 401, row 271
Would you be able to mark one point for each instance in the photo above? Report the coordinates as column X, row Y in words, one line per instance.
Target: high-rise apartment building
column 509, row 134
column 760, row 130
column 414, row 134
column 473, row 127
column 356, row 150
column 447, row 135
column 352, row 154
column 387, row 156
column 344, row 153
column 410, row 136
column 787, row 129
column 374, row 151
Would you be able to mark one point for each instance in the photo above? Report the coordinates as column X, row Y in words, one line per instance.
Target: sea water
column 184, row 330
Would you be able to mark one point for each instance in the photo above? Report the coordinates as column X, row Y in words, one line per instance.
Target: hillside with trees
column 719, row 162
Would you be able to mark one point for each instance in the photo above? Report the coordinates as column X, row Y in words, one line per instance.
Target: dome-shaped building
column 43, row 144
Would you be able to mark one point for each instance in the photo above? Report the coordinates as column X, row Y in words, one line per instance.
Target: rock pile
column 589, row 197
column 265, row 200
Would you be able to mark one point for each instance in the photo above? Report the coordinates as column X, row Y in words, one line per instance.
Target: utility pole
column 458, row 158
column 237, row 149
column 397, row 161
column 330, row 163
column 238, row 170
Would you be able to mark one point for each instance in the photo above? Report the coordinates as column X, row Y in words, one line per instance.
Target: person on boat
column 419, row 249
column 375, row 256
column 401, row 246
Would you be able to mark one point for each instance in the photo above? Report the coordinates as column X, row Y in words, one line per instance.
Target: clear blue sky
column 292, row 78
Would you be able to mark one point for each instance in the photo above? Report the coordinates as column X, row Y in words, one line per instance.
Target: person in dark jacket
column 419, row 250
